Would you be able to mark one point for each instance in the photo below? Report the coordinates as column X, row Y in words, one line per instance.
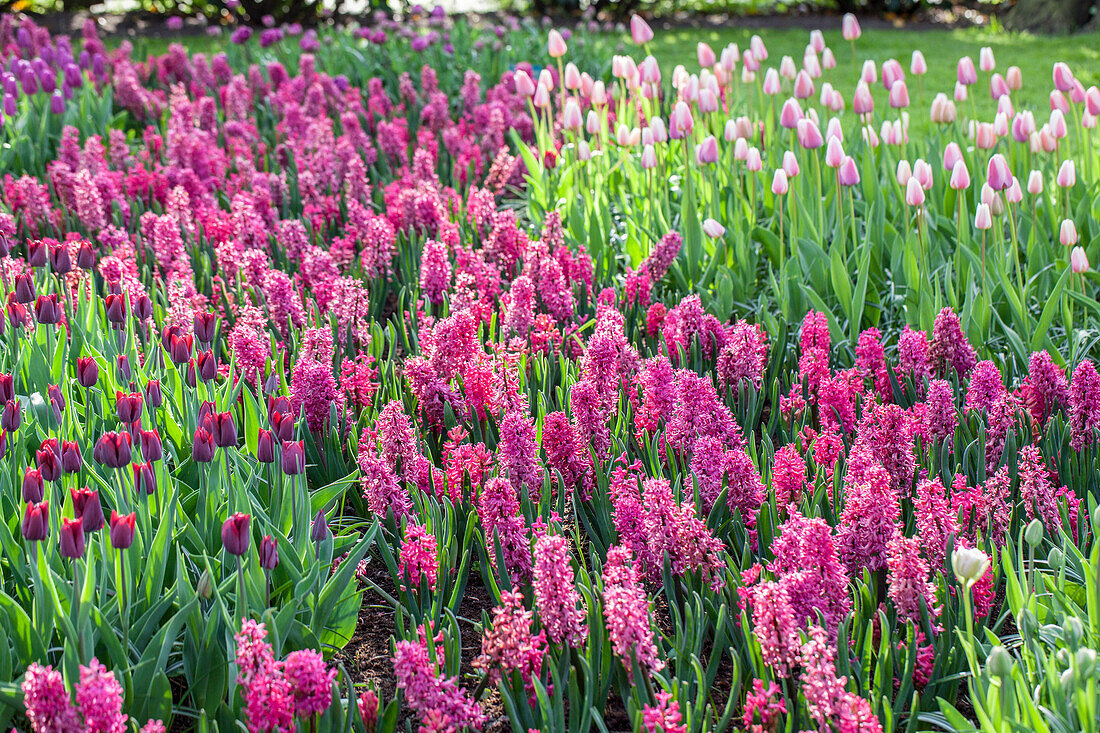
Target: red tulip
column 235, row 534
column 122, row 530
column 17, row 314
column 122, row 367
column 36, row 253
column 87, row 506
column 72, row 538
column 87, row 371
column 294, row 457
column 47, row 311
column 224, row 429
column 143, row 307
column 207, row 365
column 36, row 521
column 49, row 466
column 7, row 387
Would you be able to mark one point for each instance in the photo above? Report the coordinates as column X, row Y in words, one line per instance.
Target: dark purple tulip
column 145, row 479
column 122, row 367
column 294, row 457
column 36, row 521
column 224, row 429
column 128, row 406
column 36, row 253
column 10, row 106
column 60, row 262
column 57, row 103
column 30, row 83
column 143, row 307
column 191, row 378
column 204, row 324
column 269, row 553
column 71, row 461
column 99, row 65
column 122, row 529
column 206, row 413
column 17, row 314
column 7, row 387
column 73, row 75
column 265, row 447
column 113, row 450
column 47, row 79
column 202, row 449
column 151, row 447
column 277, row 404
column 180, row 348
column 57, row 398
column 24, row 288
column 47, row 311
column 235, row 535
column 319, row 532
column 33, row 486
column 85, row 256
column 49, row 465
column 207, row 365
column 72, row 538
column 84, row 60
column 154, row 397
column 12, row 417
column 87, row 506
column 87, row 371
column 283, row 425
column 3, row 443
column 116, row 309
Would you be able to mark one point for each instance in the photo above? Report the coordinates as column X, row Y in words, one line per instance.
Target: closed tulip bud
column 282, row 424
column 960, row 176
column 294, row 457
column 1033, row 535
column 918, row 66
column 116, row 309
column 704, row 54
column 790, row 164
column 145, row 479
column 572, row 80
column 1092, row 101
column 772, row 86
column 1014, row 77
column 319, row 532
column 85, row 256
column 87, row 371
column 803, row 86
column 584, row 153
column 202, row 448
column 952, row 154
column 269, row 553
column 204, row 326
column 1078, row 260
column 849, row 27
column 87, row 506
column 555, row 44
column 998, row 87
column 1014, row 194
column 914, row 194
column 71, row 460
column 152, row 449
column 680, row 122
column 1067, row 175
column 753, row 161
column 113, row 450
column 571, row 118
column 72, row 538
column 848, row 173
column 982, row 218
column 525, row 86
column 790, row 115
column 809, row 135
column 969, row 564
column 154, row 396
column 965, row 72
column 828, row 60
column 1057, row 126
column 235, row 534
column 1000, row 662
column 862, row 102
column 1063, row 77
column 122, row 367
column 265, row 447
column 46, row 310
column 33, row 486
column 7, row 387
column 904, row 172
column 36, row 253
column 207, row 365
column 180, row 348
column 49, row 465
column 640, row 32
column 713, row 229
column 998, row 175
column 780, row 185
column 128, row 406
column 649, row 158
column 122, row 530
column 758, row 49
column 60, row 262
column 224, row 430
column 1054, row 558
column 1067, row 233
column 12, row 417
column 707, row 151
column 36, row 521
column 834, row 153
column 985, row 59
column 57, row 400
column 143, row 308
column 1035, row 183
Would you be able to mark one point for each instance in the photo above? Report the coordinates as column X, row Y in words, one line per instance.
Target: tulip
column 960, row 176
column 1092, row 100
column 1067, row 175
column 649, row 158
column 1057, row 124
column 87, row 506
column 555, row 44
column 809, row 136
column 680, row 121
column 1014, row 77
column 904, row 172
column 753, row 161
column 122, row 530
column 759, row 50
column 12, row 417
column 7, row 387
column 918, row 66
column 660, row 133
column 122, row 367
column 869, row 73
column 790, row 114
column 899, row 95
column 998, row 87
column 790, row 164
column 571, row 118
column 207, row 365
column 952, row 154
column 969, row 564
column 572, row 79
column 525, row 87
column 152, row 449
column 707, row 151
column 72, row 538
column 1078, row 260
column 705, row 55
column 235, row 534
column 960, row 92
column 224, row 430
column 848, row 174
column 87, row 371
column 965, row 72
column 49, row 464
column 640, row 32
column 891, row 73
column 998, row 174
column 982, row 218
column 85, row 256
column 780, row 185
column 828, row 60
column 834, row 153
column 771, row 85
column 849, row 27
column 128, row 407
column 36, row 253
column 282, row 425
column 46, row 310
column 116, row 309
column 145, row 479
column 803, row 86
column 1067, row 233
column 985, row 59
column 914, row 194
column 143, row 307
column 1035, row 183
column 1063, row 77
column 319, row 532
column 265, row 447
column 60, row 262
column 202, row 447
column 71, row 460
column 294, row 457
column 269, row 551
column 36, row 521
column 154, row 396
column 33, row 486
column 862, row 102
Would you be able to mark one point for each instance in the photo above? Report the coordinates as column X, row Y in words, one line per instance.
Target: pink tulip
column 759, row 50
column 998, row 174
column 982, row 218
column 555, row 44
column 938, row 109
column 1063, row 77
column 713, row 229
column 952, row 154
column 572, row 77
column 1077, row 94
column 1088, row 120
column 923, row 173
column 1078, row 260
column 817, row 41
column 771, row 83
column 849, row 27
column 904, row 172
column 1000, row 125
column 599, row 94
column 960, row 176
column 870, row 137
column 780, row 185
column 708, row 101
column 705, row 55
column 525, row 87
column 546, row 79
column 729, row 132
column 640, row 32
column 584, row 152
column 891, row 73
column 803, row 86
column 985, row 59
column 960, row 92
column 787, row 69
column 790, row 164
column 899, row 95
column 1059, row 102
column 1035, row 183
column 1014, row 77
column 1067, row 174
column 728, row 58
column 707, row 151
column 985, row 137
column 833, row 129
column 834, row 153
column 1058, row 124
column 1013, row 194
column 542, row 97
column 592, row 123
column 749, row 62
column 680, row 122
column 753, row 161
column 827, row 59
column 649, row 157
column 1092, row 100
column 741, row 149
column 998, row 87
column 918, row 66
column 622, row 136
column 587, row 84
column 1067, row 233
column 809, row 136
column 862, row 102
column 869, row 75
column 848, row 174
column 1004, row 106
column 571, row 118
column 790, row 115
column 965, row 72
column 836, row 102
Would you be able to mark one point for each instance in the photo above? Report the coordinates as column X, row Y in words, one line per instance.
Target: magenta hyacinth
column 49, row 707
column 949, row 348
column 626, row 612
column 561, row 608
column 1084, row 405
column 908, row 583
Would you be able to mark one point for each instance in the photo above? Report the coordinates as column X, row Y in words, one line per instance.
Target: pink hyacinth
column 913, row 354
column 310, row 681
column 49, row 707
column 935, row 521
column 744, row 357
column 985, row 387
column 774, row 626
column 949, row 348
column 418, row 562
column 941, row 416
column 427, row 692
column 869, row 520
column 788, row 475
column 1084, row 405
column 813, row 361
column 518, row 452
column 806, row 561
column 765, row 703
column 674, row 530
column 435, row 271
column 871, row 362
column 908, row 580
column 626, row 612
column 99, row 697
column 508, row 644
column 561, row 608
column 1037, row 493
column 664, row 717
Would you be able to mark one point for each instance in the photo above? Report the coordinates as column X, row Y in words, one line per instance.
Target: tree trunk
column 1051, row 16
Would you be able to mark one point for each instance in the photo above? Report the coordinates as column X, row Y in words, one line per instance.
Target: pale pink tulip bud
column 998, row 87
column 817, row 41
column 862, row 102
column 1067, row 233
column 729, row 133
column 759, row 50
column 708, row 101
column 749, row 62
column 1014, row 194
column 826, row 94
column 713, row 229
column 790, row 115
column 1058, row 124
column 592, row 123
column 901, row 133
column 599, row 93
column 848, row 174
column 753, row 161
column 985, row 59
column 834, row 153
column 1015, row 78
column 809, row 136
column 617, row 67
column 1092, row 100
column 640, row 32
column 888, row 133
column 1035, row 183
column 870, row 137
column 1059, row 102
column 1063, row 77
column 555, row 44
column 746, row 128
column 985, row 137
column 787, row 68
column 960, row 176
column 525, row 87
column 904, row 172
column 647, row 136
column 935, row 112
column 1088, row 120
column 965, row 72
column 741, row 149
column 1067, row 174
column 1000, row 124
column 660, row 133
column 952, row 154
column 650, row 71
column 960, row 92
column 812, row 66
column 1048, row 141
column 587, row 84
column 571, row 117
column 1078, row 260
column 622, row 136
column 707, row 151
column 923, row 173
column 680, row 76
column 790, row 164
column 649, row 157
column 728, row 58
column 982, row 218
column 680, row 122
column 584, row 153
column 950, row 112
column 542, row 97
column 828, row 60
column 988, row 195
column 891, row 73
column 690, row 89
column 1004, row 107
column 1077, row 94
column 572, row 77
column 834, row 130
column 803, row 86
column 918, row 66
column 1035, row 142
column 748, row 76
column 899, row 95
column 705, row 55
column 849, row 27
column 771, row 82
column 998, row 174
column 546, row 79
column 869, row 74
column 836, row 102
column 724, row 77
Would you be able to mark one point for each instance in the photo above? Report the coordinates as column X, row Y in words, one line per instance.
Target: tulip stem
column 242, row 599
column 77, row 590
column 123, row 603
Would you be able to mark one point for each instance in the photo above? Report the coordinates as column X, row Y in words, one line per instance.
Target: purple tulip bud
column 224, row 430
column 202, row 449
column 122, row 530
column 151, row 448
column 24, row 288
column 235, row 534
column 46, row 310
column 87, row 371
column 36, row 521
column 204, row 324
column 71, row 460
column 33, row 486
column 18, row 315
column 85, row 256
column 269, row 553
column 145, row 479
column 265, row 447
column 294, row 457
column 72, row 538
column 207, row 365
column 154, row 396
column 128, row 407
column 113, row 450
column 57, row 103
column 12, row 417
column 122, row 367
column 143, row 307
column 87, row 506
column 319, row 532
column 180, row 348
column 49, row 465
column 7, row 387
column 116, row 309
column 60, row 262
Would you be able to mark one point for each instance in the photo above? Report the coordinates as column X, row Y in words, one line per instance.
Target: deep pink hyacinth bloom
column 664, row 717
column 427, row 692
column 985, row 387
column 886, row 431
column 774, row 626
column 743, row 358
column 813, row 360
column 935, row 521
column 1084, row 405
column 418, row 562
column 941, row 417
column 765, row 703
column 626, row 612
column 949, row 348
column 746, row 489
column 99, row 697
column 561, row 608
column 913, row 355
column 869, row 520
column 871, row 362
column 435, row 271
column 655, row 378
column 674, row 530
column 1039, row 497
column 837, row 396
column 788, row 474
column 49, row 707
column 806, row 561
column 509, row 646
column 1046, row 388
column 1003, row 417
column 908, row 580
column 518, row 452
column 310, row 682
column 566, row 454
